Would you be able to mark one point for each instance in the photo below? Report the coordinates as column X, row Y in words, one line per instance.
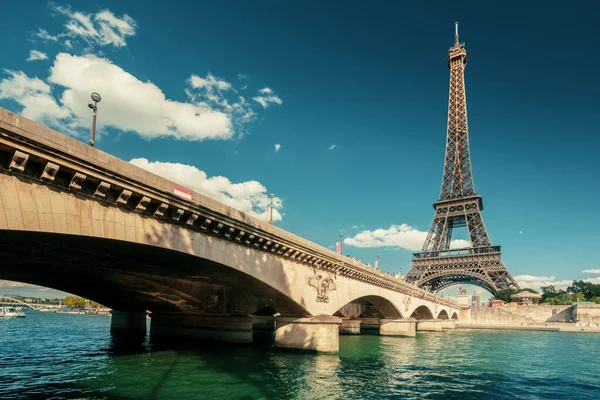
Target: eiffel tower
column 438, row 266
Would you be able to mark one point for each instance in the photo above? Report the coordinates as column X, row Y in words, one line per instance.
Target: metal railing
column 458, row 252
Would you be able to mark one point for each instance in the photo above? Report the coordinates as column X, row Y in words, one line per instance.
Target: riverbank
column 551, row 327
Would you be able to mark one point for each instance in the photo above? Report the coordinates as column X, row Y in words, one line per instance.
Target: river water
column 62, row 356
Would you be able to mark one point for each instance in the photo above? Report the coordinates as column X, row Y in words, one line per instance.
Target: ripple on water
column 74, row 356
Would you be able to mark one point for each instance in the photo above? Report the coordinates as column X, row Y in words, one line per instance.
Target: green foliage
column 596, row 299
column 562, row 299
column 588, row 289
column 79, row 302
column 549, row 292
column 579, row 291
column 505, row 295
column 578, row 297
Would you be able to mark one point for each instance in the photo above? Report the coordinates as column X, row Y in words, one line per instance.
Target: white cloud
column 591, row 271
column 34, row 96
column 520, row 232
column 242, row 76
column 209, row 83
column 250, row 197
column 277, row 147
column 128, row 104
column 536, row 282
column 35, row 55
column 102, row 28
column 355, row 226
column 268, row 98
column 403, row 236
column 333, row 146
column 12, row 284
column 44, row 35
column 28, row 290
column 213, row 108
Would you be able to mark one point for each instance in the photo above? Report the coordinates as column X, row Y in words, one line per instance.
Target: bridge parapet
column 38, row 153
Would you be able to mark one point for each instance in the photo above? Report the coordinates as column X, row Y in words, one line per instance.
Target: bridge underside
column 128, row 276
column 443, row 282
column 481, row 267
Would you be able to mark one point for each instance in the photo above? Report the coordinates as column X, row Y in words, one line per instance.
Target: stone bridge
column 76, row 219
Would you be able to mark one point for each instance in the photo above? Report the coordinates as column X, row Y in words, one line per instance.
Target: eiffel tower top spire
column 457, row 181
column 456, row 33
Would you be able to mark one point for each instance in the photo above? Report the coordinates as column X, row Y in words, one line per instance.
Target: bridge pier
column 218, row 327
column 448, row 324
column 397, row 327
column 432, row 325
column 263, row 327
column 369, row 326
column 350, row 327
column 129, row 321
column 320, row 333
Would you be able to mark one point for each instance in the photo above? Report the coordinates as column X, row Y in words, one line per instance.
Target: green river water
column 58, row 356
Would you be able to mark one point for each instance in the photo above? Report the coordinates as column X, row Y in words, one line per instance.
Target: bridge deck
column 45, row 145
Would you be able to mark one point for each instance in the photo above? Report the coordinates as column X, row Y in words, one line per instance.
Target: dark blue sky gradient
column 371, row 77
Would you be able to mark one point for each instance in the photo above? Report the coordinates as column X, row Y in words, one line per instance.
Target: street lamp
column 271, row 209
column 96, row 99
column 341, row 244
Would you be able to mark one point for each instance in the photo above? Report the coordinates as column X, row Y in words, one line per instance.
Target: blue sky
column 355, row 98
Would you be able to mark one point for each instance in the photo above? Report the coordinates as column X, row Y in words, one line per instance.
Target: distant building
column 526, row 297
column 476, row 301
column 496, row 303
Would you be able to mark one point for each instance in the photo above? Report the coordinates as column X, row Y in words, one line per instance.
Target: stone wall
column 587, row 313
column 520, row 314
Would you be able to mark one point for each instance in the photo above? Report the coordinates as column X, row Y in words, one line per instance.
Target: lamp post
column 96, row 99
column 271, row 209
column 341, row 244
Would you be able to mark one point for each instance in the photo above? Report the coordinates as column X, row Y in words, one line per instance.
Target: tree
column 74, row 301
column 505, row 294
column 578, row 297
column 562, row 299
column 588, row 289
column 527, row 290
column 548, row 292
column 79, row 302
column 596, row 299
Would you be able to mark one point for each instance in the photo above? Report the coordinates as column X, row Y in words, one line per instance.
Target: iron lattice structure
column 437, row 266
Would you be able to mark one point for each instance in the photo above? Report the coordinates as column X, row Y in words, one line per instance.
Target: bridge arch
column 443, row 314
column 442, row 280
column 131, row 276
column 12, row 300
column 369, row 306
column 422, row 312
column 454, row 316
